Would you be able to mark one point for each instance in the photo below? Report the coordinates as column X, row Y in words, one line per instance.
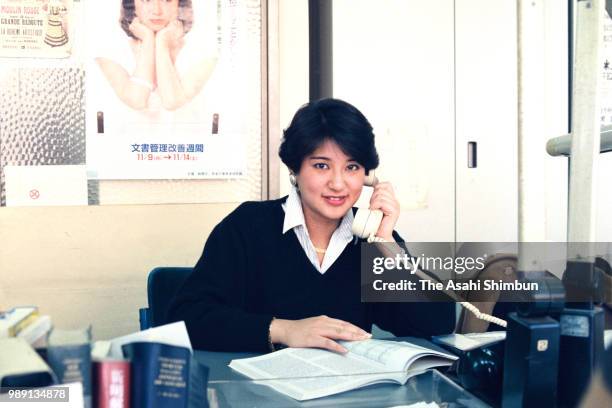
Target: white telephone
column 366, row 222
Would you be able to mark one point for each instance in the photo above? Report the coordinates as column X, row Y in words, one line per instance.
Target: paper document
column 45, row 185
column 418, row 405
column 174, row 334
column 100, row 349
column 470, row 341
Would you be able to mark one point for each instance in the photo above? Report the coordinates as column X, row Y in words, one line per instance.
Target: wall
column 293, row 70
column 89, row 265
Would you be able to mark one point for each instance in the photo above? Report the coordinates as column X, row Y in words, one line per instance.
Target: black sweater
column 250, row 271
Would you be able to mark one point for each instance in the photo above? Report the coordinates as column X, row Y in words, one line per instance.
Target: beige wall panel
column 89, row 265
column 293, row 70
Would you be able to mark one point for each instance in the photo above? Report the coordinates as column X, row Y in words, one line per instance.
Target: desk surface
column 226, row 388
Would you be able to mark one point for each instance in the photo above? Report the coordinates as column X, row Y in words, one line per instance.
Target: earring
column 293, row 180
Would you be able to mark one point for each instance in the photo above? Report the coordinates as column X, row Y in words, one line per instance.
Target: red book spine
column 111, row 384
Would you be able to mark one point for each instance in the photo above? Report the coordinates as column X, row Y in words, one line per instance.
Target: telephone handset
column 366, row 221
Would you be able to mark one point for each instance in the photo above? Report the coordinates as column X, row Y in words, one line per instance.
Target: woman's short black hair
column 128, row 13
column 328, row 119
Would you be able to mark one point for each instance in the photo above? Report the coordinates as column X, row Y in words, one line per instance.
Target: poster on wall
column 606, row 73
column 36, row 28
column 169, row 88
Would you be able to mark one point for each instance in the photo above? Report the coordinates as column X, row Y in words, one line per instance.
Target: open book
column 304, row 373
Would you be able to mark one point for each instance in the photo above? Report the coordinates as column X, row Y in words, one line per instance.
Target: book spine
column 160, row 375
column 13, row 329
column 35, row 333
column 17, row 328
column 111, row 384
column 72, row 364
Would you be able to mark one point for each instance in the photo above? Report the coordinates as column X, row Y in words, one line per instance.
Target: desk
column 226, row 388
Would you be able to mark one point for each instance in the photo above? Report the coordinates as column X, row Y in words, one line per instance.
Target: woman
column 149, row 73
column 287, row 271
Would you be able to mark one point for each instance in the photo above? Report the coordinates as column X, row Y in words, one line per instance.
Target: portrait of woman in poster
column 159, row 63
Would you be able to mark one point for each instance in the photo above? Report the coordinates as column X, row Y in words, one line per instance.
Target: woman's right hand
column 320, row 331
column 171, row 34
column 141, row 31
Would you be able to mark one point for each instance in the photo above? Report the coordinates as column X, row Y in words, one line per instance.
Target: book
column 21, row 366
column 306, row 373
column 111, row 384
column 16, row 319
column 36, row 332
column 69, row 355
column 159, row 375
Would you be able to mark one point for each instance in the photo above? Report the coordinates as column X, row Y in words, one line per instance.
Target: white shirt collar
column 294, row 217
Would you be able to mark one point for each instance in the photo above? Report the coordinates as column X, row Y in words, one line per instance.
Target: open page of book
column 312, row 373
column 400, row 356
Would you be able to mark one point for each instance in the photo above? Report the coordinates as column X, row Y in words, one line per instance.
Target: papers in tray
column 470, row 341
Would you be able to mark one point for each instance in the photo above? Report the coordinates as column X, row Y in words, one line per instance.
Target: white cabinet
column 434, row 75
column 393, row 59
column 487, row 113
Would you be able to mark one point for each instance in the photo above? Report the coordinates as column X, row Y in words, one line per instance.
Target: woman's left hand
column 383, row 198
column 171, row 33
column 141, row 31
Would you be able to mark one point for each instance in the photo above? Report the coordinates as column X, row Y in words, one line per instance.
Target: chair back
column 162, row 285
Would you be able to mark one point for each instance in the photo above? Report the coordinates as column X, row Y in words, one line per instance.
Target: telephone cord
column 483, row 316
column 470, row 307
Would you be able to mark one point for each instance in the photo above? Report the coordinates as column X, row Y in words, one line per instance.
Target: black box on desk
column 531, row 361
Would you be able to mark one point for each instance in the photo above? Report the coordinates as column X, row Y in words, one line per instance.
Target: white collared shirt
column 294, row 219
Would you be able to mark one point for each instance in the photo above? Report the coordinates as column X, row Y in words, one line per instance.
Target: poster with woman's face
column 173, row 86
